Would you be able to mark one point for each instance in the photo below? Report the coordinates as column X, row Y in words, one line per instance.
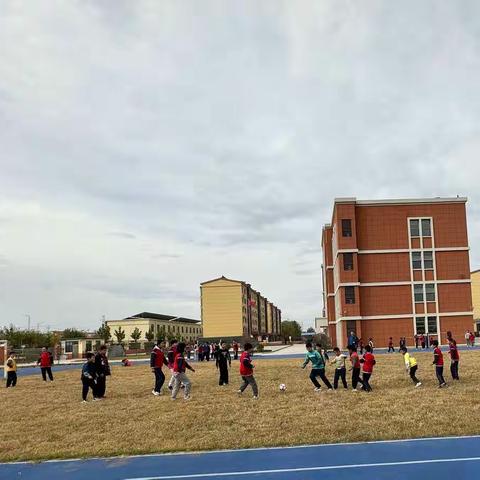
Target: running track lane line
column 308, row 469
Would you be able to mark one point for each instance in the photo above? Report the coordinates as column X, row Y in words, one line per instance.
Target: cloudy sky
column 147, row 146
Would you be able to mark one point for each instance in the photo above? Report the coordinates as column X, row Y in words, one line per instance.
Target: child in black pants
column 223, row 360
column 88, row 377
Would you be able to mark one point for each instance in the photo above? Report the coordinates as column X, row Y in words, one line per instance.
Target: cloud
column 126, row 235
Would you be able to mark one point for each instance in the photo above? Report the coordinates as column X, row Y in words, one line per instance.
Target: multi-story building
column 185, row 329
column 475, row 277
column 232, row 309
column 395, row 268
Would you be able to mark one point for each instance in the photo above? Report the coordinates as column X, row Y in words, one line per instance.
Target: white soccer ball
column 282, row 387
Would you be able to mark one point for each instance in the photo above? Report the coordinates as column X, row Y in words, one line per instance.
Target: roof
column 475, row 271
column 223, row 278
column 402, row 201
column 159, row 316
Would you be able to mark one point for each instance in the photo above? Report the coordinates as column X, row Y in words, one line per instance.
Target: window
column 430, row 292
column 418, row 292
column 432, row 324
column 426, row 228
column 348, row 261
column 417, row 260
column 428, row 260
column 420, row 325
column 346, row 228
column 350, row 295
column 414, row 228
column 88, row 345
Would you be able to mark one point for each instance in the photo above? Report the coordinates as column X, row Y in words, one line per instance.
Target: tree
column 136, row 334
column 161, row 334
column 310, row 330
column 323, row 340
column 120, row 334
column 104, row 332
column 291, row 328
column 71, row 333
column 149, row 335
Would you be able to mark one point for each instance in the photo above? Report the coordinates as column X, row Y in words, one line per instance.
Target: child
column 355, row 361
column 340, row 369
column 103, row 371
column 11, row 370
column 323, row 352
column 222, row 361
column 390, row 345
column 454, row 358
column 370, row 344
column 318, row 367
column 368, row 362
column 411, row 366
column 246, row 371
column 157, row 361
column 45, row 362
column 180, row 378
column 172, row 352
column 438, row 362
column 88, row 377
column 126, row 362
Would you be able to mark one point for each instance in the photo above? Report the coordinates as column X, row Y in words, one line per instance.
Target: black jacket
column 223, row 357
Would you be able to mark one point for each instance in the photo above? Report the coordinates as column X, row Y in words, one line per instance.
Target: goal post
column 4, row 356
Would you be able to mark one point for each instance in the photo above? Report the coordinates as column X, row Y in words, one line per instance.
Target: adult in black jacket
column 102, row 369
column 222, row 361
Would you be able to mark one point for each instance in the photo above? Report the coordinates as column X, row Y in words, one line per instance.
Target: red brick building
column 395, row 268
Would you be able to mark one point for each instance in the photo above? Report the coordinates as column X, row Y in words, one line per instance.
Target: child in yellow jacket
column 411, row 366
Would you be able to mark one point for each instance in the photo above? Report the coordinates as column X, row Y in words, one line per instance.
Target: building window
column 418, row 292
column 430, row 292
column 417, row 260
column 414, row 228
column 428, row 260
column 420, row 325
column 350, row 295
column 348, row 261
column 346, row 228
column 426, row 227
column 432, row 324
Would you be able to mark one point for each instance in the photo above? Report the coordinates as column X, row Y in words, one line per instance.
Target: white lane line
column 308, row 469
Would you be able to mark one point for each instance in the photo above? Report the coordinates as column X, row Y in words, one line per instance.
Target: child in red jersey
column 368, row 362
column 246, row 371
column 454, row 358
column 171, row 354
column 438, row 362
column 45, row 361
column 355, row 361
column 157, row 361
column 180, row 365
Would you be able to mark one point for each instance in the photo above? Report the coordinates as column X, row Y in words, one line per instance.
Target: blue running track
column 434, row 458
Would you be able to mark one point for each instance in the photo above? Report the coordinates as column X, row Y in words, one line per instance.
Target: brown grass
column 42, row 421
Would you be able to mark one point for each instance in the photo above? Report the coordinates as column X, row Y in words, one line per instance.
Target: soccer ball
column 282, row 387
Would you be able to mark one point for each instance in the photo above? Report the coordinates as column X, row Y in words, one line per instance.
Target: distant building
column 475, row 277
column 185, row 329
column 321, row 325
column 397, row 268
column 232, row 309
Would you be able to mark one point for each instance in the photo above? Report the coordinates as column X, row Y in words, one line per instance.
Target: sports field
column 44, row 421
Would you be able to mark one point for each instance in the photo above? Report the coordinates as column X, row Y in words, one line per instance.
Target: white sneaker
column 255, row 397
column 354, row 390
column 84, row 401
column 155, row 393
column 187, row 398
column 95, row 399
column 316, row 389
column 239, row 392
column 419, row 384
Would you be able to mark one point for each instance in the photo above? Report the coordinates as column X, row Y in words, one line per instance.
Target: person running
column 438, row 362
column 235, row 350
column 367, row 361
column 172, row 352
column 355, row 368
column 454, row 358
column 246, row 371
column 89, row 377
column 390, row 345
column 411, row 366
column 340, row 369
column 223, row 360
column 318, row 367
column 157, row 361
column 45, row 361
column 11, row 369
column 180, row 365
column 103, row 371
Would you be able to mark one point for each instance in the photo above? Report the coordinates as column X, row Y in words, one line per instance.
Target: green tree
column 310, row 330
column 162, row 334
column 70, row 333
column 120, row 335
column 136, row 334
column 323, row 340
column 291, row 328
column 149, row 335
column 104, row 332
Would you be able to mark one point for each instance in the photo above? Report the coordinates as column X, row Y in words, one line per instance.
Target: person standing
column 180, row 365
column 235, row 350
column 89, row 377
column 223, row 360
column 352, row 340
column 454, row 358
column 472, row 339
column 157, row 361
column 467, row 338
column 422, row 341
column 11, row 369
column 102, row 368
column 411, row 366
column 415, row 337
column 45, row 361
column 438, row 362
column 368, row 361
column 390, row 345
column 370, row 344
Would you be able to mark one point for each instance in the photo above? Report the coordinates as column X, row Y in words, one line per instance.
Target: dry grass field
column 45, row 421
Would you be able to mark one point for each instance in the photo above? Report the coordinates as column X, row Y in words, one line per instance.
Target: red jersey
column 355, row 359
column 172, row 353
column 157, row 358
column 438, row 355
column 179, row 365
column 246, row 367
column 368, row 362
column 45, row 359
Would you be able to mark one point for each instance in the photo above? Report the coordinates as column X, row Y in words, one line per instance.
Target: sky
column 148, row 146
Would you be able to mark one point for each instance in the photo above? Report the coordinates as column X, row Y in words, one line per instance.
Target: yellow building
column 475, row 277
column 232, row 309
column 184, row 329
